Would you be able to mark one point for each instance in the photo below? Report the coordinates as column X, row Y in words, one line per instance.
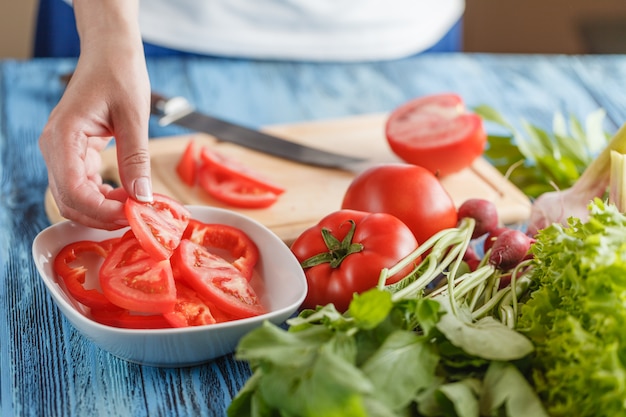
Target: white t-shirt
column 318, row 30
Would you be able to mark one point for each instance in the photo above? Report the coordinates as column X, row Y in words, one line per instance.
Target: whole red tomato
column 345, row 252
column 411, row 193
column 437, row 133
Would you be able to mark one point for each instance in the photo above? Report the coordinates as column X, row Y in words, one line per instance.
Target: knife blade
column 179, row 111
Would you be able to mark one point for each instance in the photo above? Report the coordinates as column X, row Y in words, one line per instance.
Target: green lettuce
column 576, row 315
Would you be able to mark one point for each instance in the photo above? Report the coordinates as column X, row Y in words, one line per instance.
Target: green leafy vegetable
column 399, row 350
column 576, row 315
column 536, row 160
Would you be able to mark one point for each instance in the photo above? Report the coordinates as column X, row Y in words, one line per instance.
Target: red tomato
column 409, row 192
column 187, row 165
column 233, row 191
column 345, row 252
column 437, row 133
column 130, row 278
column 190, row 309
column 70, row 265
column 159, row 225
column 241, row 248
column 217, row 280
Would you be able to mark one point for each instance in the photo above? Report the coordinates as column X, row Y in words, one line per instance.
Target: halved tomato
column 158, row 225
column 217, row 280
column 130, row 278
column 238, row 244
column 437, row 133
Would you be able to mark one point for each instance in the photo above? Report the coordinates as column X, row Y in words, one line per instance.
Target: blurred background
column 499, row 26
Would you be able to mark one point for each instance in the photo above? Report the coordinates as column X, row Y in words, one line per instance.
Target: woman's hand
column 108, row 95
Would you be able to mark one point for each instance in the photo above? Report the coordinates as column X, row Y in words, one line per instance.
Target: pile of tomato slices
column 168, row 270
column 226, row 179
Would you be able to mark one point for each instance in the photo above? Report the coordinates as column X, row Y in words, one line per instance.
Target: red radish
column 492, row 236
column 509, row 249
column 483, row 211
column 471, row 258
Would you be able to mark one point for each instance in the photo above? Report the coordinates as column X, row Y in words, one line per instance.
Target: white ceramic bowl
column 283, row 280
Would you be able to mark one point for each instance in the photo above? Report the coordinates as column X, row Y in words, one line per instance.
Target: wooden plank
column 313, row 192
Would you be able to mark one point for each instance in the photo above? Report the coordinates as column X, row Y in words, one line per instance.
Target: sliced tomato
column 234, row 184
column 235, row 241
column 228, row 167
column 158, row 225
column 437, row 133
column 190, row 309
column 187, row 165
column 125, row 319
column 71, row 264
column 130, row 278
column 217, row 280
column 235, row 192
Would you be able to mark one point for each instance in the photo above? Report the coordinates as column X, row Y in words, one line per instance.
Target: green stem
column 337, row 250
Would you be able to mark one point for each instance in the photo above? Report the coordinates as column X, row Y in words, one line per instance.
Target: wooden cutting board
column 312, row 192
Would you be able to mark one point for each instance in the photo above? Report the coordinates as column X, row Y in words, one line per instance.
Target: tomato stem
column 337, row 250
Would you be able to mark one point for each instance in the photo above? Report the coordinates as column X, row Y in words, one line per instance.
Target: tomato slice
column 230, row 168
column 217, row 280
column 130, row 278
column 125, row 319
column 190, row 309
column 228, row 238
column 71, row 265
column 437, row 133
column 235, row 192
column 158, row 225
column 187, row 165
column 234, row 184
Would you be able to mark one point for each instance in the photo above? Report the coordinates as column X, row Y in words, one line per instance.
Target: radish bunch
column 503, row 246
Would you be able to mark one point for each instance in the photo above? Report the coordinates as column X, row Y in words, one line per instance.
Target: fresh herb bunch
column 576, row 315
column 432, row 345
column 537, row 161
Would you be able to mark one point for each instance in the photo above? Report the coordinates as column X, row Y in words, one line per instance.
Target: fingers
column 130, row 112
column 73, row 161
column 134, row 166
column 88, row 205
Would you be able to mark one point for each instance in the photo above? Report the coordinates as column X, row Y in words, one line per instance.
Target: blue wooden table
column 48, row 369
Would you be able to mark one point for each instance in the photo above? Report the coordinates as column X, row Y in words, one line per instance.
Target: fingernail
column 143, row 190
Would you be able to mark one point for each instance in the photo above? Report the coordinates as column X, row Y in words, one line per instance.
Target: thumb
column 134, row 166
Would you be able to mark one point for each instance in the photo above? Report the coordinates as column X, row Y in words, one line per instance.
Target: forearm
column 104, row 24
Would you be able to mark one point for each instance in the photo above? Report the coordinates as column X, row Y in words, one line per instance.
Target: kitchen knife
column 177, row 110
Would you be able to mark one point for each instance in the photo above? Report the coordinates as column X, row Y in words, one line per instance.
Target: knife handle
column 169, row 109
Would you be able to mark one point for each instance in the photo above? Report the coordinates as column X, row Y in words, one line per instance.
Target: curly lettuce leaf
column 576, row 315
